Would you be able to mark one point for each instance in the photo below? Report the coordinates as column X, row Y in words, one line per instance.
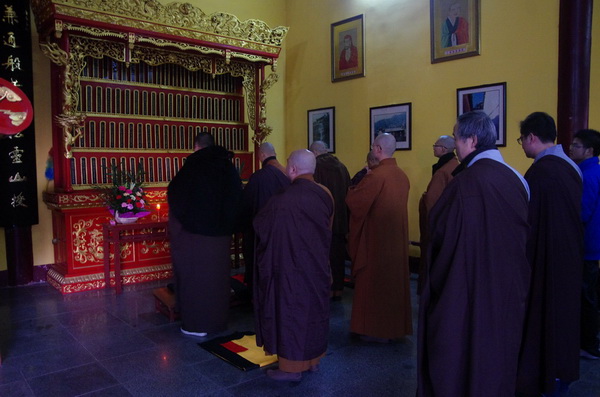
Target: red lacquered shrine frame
column 132, row 84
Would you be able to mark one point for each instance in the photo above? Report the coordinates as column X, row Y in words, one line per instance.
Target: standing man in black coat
column 203, row 202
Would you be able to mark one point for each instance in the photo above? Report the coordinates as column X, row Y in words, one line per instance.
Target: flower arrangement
column 126, row 194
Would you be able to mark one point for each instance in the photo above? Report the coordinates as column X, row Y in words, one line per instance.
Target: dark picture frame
column 348, row 49
column 490, row 98
column 395, row 120
column 455, row 29
column 321, row 127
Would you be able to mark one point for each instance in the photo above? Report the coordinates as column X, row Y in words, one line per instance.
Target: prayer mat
column 239, row 349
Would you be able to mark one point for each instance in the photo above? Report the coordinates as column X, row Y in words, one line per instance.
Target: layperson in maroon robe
column 473, row 303
column 443, row 149
column 264, row 183
column 378, row 242
column 203, row 203
column 334, row 175
column 292, row 275
column 550, row 348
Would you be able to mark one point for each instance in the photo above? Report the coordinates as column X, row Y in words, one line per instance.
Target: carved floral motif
column 164, row 18
column 87, row 241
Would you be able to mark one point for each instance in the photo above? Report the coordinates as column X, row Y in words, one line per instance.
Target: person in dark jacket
column 203, row 203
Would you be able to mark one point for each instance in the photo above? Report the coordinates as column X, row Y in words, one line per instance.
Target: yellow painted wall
column 519, row 46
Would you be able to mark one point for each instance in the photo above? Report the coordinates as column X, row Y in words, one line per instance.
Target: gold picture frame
column 454, row 29
column 348, row 49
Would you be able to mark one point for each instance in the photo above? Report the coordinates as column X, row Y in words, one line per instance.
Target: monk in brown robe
column 472, row 307
column 443, row 149
column 333, row 174
column 378, row 245
column 292, row 275
column 264, row 183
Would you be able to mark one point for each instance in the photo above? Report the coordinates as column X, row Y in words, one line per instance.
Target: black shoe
column 590, row 354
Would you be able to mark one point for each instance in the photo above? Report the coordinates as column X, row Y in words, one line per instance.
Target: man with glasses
column 584, row 151
column 550, row 348
column 473, row 300
column 441, row 173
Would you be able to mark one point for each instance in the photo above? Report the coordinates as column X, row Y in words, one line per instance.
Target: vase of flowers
column 125, row 197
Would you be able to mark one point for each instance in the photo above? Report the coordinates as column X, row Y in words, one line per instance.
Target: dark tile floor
column 99, row 344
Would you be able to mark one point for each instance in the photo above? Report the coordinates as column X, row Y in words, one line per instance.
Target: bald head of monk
column 318, row 148
column 301, row 162
column 265, row 151
column 384, row 146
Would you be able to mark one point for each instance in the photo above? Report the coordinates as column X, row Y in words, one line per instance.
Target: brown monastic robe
column 440, row 179
column 292, row 275
column 378, row 246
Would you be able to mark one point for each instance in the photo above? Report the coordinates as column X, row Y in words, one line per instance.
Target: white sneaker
column 190, row 333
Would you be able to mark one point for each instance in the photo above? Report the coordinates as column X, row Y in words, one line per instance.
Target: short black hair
column 590, row 139
column 541, row 125
column 204, row 139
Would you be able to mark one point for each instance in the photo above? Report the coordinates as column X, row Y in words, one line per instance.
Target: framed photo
column 490, row 98
column 395, row 120
column 454, row 29
column 321, row 127
column 348, row 49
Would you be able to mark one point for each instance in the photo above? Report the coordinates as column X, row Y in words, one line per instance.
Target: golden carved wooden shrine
column 132, row 83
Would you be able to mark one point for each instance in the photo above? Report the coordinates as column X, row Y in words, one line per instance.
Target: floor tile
column 100, row 344
column 73, row 381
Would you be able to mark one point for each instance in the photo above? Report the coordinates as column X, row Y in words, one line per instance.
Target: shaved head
column 387, row 143
column 318, row 147
column 265, row 151
column 301, row 162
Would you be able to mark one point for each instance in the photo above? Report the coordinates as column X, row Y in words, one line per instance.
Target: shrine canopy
column 174, row 25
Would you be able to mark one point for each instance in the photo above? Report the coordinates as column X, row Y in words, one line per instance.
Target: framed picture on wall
column 395, row 120
column 348, row 49
column 321, row 127
column 490, row 98
column 454, row 29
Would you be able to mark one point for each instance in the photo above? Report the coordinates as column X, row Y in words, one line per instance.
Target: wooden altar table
column 118, row 234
